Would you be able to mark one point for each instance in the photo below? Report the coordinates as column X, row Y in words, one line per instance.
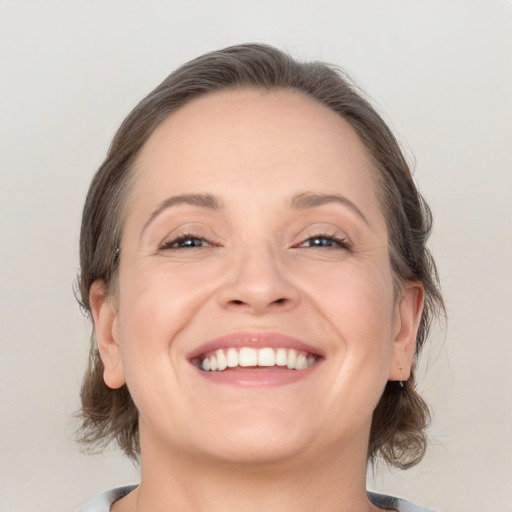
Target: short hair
column 398, row 431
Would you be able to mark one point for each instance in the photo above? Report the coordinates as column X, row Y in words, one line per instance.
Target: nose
column 258, row 283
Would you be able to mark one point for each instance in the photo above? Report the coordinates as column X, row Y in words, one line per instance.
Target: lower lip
column 258, row 377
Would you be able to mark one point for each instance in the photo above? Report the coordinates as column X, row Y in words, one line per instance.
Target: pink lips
column 260, row 376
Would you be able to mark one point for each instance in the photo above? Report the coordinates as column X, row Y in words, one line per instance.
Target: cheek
column 356, row 309
column 156, row 304
column 354, row 306
column 154, row 307
column 355, row 298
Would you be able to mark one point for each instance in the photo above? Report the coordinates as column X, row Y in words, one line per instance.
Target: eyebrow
column 301, row 201
column 206, row 201
column 312, row 200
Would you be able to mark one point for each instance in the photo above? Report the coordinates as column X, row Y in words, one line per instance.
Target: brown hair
column 401, row 417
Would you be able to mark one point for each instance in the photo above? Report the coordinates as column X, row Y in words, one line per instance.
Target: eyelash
column 338, row 242
column 172, row 244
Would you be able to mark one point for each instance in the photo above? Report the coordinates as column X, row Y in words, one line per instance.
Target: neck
column 182, row 482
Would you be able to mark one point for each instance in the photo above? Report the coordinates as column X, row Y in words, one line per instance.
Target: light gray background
column 440, row 70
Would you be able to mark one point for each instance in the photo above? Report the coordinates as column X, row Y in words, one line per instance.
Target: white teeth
column 291, row 359
column 281, row 357
column 222, row 363
column 248, row 357
column 232, row 357
column 301, row 363
column 263, row 357
column 266, row 357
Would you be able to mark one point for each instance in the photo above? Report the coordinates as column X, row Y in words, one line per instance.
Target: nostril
column 239, row 302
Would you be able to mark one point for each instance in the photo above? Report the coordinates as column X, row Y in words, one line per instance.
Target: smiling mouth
column 247, row 358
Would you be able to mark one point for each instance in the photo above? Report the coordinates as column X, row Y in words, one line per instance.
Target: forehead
column 268, row 142
column 253, row 118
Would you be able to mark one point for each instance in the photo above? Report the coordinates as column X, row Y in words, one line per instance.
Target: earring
column 401, row 376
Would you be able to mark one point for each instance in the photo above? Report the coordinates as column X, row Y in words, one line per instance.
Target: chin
column 264, row 450
column 256, row 440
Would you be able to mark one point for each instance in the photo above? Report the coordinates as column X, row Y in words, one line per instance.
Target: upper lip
column 255, row 340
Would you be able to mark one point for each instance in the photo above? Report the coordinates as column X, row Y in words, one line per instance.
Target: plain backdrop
column 440, row 71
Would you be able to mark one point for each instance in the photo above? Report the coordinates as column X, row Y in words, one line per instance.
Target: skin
column 208, row 446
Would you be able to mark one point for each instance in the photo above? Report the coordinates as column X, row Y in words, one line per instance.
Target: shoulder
column 399, row 504
column 104, row 501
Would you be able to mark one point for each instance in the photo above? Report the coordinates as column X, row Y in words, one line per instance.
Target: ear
column 409, row 309
column 106, row 328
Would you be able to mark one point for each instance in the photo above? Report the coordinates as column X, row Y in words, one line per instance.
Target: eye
column 185, row 241
column 326, row 241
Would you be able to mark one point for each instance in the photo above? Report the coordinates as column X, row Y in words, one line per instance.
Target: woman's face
column 254, row 241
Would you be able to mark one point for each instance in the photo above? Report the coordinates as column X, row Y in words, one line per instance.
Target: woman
column 253, row 257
